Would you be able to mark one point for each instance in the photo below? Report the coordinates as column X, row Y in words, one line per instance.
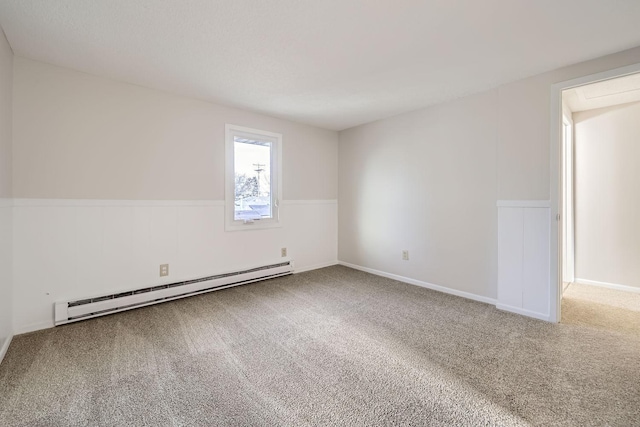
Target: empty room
column 298, row 213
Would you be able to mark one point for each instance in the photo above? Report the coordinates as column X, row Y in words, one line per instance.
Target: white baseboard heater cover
column 73, row 311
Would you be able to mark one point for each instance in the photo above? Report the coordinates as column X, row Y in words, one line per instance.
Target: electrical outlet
column 283, row 252
column 405, row 255
column 164, row 270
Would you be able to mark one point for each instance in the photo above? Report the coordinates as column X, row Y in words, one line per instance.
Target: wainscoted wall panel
column 523, row 257
column 510, row 256
column 535, row 268
column 71, row 249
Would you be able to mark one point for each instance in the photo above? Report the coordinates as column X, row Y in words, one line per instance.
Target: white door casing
column 555, row 179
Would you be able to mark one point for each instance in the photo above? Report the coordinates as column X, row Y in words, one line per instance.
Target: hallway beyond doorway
column 614, row 310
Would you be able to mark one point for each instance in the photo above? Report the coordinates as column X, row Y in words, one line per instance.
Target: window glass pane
column 252, row 173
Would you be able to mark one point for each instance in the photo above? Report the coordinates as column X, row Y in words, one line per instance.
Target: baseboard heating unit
column 73, row 311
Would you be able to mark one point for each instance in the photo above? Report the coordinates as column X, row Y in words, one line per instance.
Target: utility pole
column 259, row 167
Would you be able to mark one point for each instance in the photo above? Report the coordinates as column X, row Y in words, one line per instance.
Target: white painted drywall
column 6, row 214
column 111, row 180
column 79, row 136
column 424, row 182
column 428, row 181
column 607, row 181
column 524, row 117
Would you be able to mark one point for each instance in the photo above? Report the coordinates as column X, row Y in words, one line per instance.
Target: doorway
column 601, row 93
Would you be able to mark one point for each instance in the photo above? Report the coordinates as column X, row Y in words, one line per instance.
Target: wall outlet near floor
column 283, row 252
column 164, row 270
column 405, row 255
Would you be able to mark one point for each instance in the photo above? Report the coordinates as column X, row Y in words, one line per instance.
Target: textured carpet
column 602, row 308
column 328, row 347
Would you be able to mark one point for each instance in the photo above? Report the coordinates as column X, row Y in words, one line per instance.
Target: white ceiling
column 330, row 63
column 608, row 93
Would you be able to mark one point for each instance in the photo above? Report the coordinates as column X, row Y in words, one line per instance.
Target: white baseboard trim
column 5, row 347
column 523, row 312
column 33, row 327
column 314, row 267
column 422, row 284
column 615, row 286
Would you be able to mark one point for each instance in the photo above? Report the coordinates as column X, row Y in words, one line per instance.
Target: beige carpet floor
column 328, row 347
column 614, row 310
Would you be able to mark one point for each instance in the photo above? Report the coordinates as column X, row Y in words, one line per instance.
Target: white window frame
column 231, row 224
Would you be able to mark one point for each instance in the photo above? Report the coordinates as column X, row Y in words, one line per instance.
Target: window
column 252, row 178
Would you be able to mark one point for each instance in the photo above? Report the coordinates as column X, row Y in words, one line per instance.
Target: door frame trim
column 555, row 181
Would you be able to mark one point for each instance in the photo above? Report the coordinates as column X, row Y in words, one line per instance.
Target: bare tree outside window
column 252, row 171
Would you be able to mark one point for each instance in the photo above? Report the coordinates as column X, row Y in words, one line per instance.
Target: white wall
column 6, row 83
column 78, row 136
column 607, row 181
column 111, row 180
column 428, row 181
column 424, row 182
column 524, row 118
